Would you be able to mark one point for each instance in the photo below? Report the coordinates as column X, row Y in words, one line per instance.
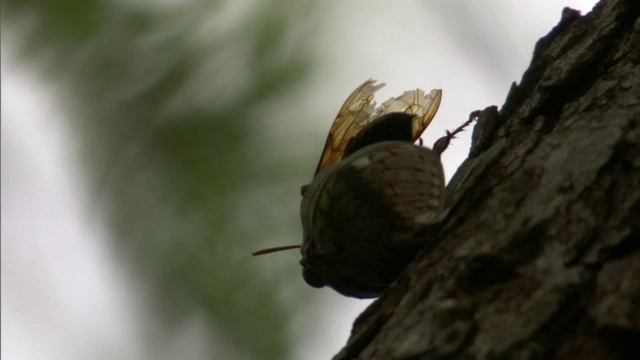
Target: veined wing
column 358, row 110
column 353, row 116
column 416, row 102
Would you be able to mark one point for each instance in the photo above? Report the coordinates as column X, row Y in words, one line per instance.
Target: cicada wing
column 353, row 116
column 359, row 110
column 415, row 102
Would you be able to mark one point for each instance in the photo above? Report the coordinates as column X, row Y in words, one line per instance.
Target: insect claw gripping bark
column 443, row 143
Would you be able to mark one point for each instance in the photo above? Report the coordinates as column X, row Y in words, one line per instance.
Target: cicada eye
column 304, row 189
column 312, row 278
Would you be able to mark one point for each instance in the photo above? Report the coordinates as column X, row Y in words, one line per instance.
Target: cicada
column 373, row 190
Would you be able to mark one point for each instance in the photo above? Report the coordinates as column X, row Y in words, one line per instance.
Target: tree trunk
column 539, row 258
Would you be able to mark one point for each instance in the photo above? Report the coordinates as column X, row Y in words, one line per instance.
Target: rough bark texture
column 540, row 257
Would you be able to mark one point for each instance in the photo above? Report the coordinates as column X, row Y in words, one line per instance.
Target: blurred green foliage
column 165, row 98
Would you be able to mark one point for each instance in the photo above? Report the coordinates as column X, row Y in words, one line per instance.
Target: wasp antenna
column 275, row 249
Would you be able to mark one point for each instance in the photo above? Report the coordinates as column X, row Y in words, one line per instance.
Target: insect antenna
column 275, row 249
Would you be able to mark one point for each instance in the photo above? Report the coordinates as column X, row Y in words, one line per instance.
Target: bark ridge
column 539, row 258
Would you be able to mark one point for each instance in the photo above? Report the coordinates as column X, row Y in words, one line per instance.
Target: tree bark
column 539, row 257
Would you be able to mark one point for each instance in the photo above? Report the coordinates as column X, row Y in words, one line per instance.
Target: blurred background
column 149, row 147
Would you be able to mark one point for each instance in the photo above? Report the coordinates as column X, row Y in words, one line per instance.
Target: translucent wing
column 416, row 102
column 358, row 110
column 354, row 114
